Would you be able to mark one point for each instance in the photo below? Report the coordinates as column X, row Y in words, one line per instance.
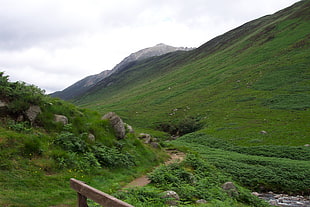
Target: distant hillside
column 82, row 86
column 253, row 78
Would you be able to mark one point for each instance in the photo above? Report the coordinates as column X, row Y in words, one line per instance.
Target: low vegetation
column 260, row 168
column 38, row 157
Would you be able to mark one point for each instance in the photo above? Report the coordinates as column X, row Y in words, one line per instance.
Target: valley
column 238, row 107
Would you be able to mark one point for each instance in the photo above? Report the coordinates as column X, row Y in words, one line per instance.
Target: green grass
column 260, row 168
column 254, row 83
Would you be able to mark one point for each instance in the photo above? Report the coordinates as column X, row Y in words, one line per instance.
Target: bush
column 184, row 126
column 111, row 157
column 70, row 142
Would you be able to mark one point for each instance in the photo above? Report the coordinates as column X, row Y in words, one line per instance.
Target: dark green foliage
column 143, row 197
column 195, row 179
column 277, row 168
column 19, row 95
column 112, row 157
column 70, row 142
column 184, row 126
column 32, row 147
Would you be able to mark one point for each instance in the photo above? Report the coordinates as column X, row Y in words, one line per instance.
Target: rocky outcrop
column 117, row 124
column 61, row 118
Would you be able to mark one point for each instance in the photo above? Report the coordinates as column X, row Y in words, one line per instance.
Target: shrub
column 111, row 157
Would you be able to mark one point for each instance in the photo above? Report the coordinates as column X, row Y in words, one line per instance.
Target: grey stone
column 3, row 104
column 230, row 188
column 129, row 128
column 117, row 124
column 32, row 113
column 201, row 201
column 172, row 196
column 91, row 137
column 61, row 118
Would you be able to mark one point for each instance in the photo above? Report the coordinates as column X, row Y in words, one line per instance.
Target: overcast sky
column 54, row 43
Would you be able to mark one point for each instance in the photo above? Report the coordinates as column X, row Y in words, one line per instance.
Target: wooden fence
column 85, row 191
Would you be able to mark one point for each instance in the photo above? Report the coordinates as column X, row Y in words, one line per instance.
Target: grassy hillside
column 39, row 156
column 251, row 79
column 246, row 94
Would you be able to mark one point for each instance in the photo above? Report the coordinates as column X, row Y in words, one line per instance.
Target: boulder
column 61, row 118
column 117, row 124
column 230, row 189
column 32, row 113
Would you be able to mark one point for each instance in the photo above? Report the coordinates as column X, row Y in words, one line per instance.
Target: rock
column 61, row 118
column 230, row 189
column 154, row 144
column 201, row 201
column 146, row 137
column 117, row 124
column 129, row 128
column 307, row 145
column 3, row 104
column 172, row 196
column 91, row 137
column 263, row 132
column 20, row 118
column 32, row 113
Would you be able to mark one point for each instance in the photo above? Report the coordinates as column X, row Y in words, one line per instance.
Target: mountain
column 85, row 84
column 253, row 78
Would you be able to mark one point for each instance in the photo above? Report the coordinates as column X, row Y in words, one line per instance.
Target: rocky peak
column 82, row 86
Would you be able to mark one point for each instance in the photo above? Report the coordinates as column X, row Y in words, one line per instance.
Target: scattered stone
column 154, row 144
column 32, row 113
column 146, row 138
column 117, row 124
column 172, row 196
column 263, row 132
column 307, row 145
column 129, row 128
column 91, row 137
column 230, row 189
column 201, row 201
column 61, row 118
column 3, row 104
column 20, row 118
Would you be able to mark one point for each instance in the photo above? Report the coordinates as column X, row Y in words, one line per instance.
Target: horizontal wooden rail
column 85, row 191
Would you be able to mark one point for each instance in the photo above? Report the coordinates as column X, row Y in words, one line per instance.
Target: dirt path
column 175, row 156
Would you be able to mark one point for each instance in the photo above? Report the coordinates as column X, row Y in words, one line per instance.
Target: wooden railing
column 85, row 191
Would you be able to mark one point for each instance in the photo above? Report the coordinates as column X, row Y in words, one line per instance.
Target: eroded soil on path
column 175, row 156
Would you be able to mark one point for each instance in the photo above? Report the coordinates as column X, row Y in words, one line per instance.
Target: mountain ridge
column 83, row 85
column 261, row 65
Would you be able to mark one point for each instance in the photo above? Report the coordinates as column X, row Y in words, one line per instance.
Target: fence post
column 82, row 200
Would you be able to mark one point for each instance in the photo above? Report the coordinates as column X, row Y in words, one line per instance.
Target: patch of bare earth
column 175, row 156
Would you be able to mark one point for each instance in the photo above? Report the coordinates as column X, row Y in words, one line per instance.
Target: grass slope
column 37, row 159
column 251, row 79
